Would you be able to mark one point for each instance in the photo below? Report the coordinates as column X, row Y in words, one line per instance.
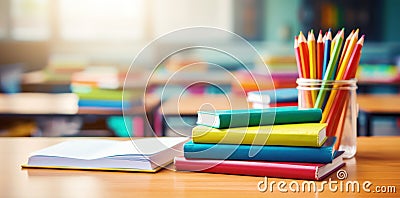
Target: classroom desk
column 378, row 105
column 39, row 105
column 377, row 161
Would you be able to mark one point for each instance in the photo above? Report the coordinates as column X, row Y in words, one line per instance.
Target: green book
column 304, row 134
column 258, row 117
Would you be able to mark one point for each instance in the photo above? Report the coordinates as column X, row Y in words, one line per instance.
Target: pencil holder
column 338, row 101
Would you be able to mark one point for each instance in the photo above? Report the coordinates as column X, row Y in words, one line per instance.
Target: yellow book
column 305, row 134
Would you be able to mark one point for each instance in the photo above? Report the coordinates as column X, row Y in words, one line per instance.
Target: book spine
column 104, row 103
column 232, row 137
column 268, row 118
column 299, row 116
column 263, row 153
column 279, row 170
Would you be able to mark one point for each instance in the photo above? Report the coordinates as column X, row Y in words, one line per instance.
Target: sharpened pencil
column 320, row 56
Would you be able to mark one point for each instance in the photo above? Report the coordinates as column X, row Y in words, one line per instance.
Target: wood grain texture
column 377, row 160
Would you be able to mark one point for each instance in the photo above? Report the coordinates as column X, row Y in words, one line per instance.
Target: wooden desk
column 377, row 161
column 378, row 105
column 39, row 105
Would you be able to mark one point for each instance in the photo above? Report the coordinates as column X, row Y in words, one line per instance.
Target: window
column 29, row 19
column 94, row 20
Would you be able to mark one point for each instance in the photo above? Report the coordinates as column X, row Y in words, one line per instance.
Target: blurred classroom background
column 63, row 62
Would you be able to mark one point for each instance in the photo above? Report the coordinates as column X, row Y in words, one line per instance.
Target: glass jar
column 338, row 101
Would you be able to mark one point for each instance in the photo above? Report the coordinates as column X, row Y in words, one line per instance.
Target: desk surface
column 377, row 161
column 387, row 104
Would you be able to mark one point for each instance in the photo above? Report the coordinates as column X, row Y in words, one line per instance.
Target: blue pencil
column 327, row 52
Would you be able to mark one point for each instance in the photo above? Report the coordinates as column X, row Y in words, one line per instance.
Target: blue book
column 323, row 154
column 273, row 96
column 103, row 103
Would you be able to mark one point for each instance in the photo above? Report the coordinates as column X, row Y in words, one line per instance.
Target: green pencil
column 330, row 69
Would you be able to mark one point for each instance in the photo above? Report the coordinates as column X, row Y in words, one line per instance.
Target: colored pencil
column 329, row 71
column 327, row 52
column 338, row 131
column 304, row 55
column 312, row 54
column 313, row 66
column 350, row 73
column 354, row 60
column 333, row 42
column 346, row 44
column 351, row 45
column 334, row 70
column 340, row 74
column 320, row 55
column 300, row 68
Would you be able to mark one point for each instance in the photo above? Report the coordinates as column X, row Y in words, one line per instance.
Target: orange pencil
column 320, row 55
column 304, row 55
column 300, row 68
column 346, row 44
column 340, row 127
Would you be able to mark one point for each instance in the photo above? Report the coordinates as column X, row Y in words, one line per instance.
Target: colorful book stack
column 283, row 142
column 99, row 87
column 273, row 98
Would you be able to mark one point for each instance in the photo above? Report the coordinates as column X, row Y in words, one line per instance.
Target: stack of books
column 283, row 142
column 100, row 87
column 273, row 98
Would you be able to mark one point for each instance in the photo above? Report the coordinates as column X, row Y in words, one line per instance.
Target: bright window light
column 29, row 19
column 95, row 20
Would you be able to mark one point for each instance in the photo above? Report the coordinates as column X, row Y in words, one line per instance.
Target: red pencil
column 320, row 55
column 304, row 55
column 354, row 60
column 298, row 57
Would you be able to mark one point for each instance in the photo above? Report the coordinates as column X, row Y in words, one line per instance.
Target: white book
column 145, row 154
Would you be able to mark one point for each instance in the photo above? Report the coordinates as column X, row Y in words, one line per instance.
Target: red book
column 290, row 170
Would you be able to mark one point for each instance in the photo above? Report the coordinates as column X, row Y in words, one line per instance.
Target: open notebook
column 146, row 154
